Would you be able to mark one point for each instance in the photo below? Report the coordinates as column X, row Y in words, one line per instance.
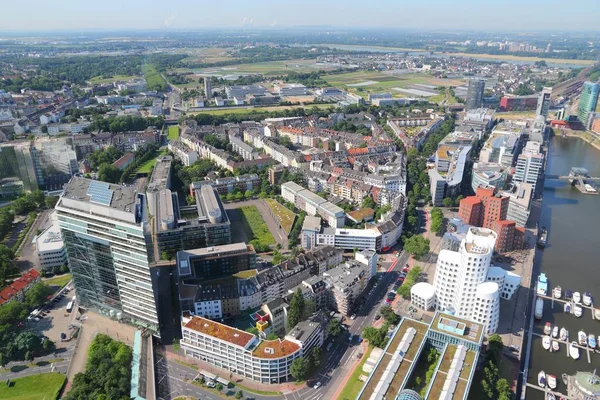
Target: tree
column 299, row 369
column 494, row 348
column 368, row 202
column 376, row 337
column 202, row 380
column 239, row 394
column 3, row 360
column 315, row 358
column 50, row 201
column 48, row 345
column 219, row 387
column 334, row 328
column 28, row 356
column 417, row 246
column 272, row 336
column 458, row 199
column 109, row 173
column 248, row 194
column 37, row 294
column 296, row 309
column 447, row 202
column 503, row 389
column 389, row 315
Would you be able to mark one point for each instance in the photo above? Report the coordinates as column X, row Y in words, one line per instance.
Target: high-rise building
column 543, row 104
column 588, row 100
column 529, row 164
column 460, row 280
column 475, row 94
column 106, row 235
column 19, row 167
column 207, row 88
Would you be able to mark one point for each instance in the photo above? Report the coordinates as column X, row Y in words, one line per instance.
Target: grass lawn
column 173, row 132
column 35, row 387
column 257, row 226
column 146, row 167
column 354, row 385
column 268, row 68
column 100, row 80
column 284, row 215
column 60, row 280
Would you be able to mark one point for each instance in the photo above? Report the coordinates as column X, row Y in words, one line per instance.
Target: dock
column 571, row 302
column 547, row 390
column 587, row 350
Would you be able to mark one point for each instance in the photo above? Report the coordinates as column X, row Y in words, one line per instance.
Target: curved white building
column 422, row 295
column 486, row 308
column 459, row 274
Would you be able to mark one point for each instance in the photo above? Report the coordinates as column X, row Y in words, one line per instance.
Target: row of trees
column 437, row 220
column 490, row 384
column 125, row 124
column 411, row 278
column 304, row 367
column 142, row 156
column 107, row 374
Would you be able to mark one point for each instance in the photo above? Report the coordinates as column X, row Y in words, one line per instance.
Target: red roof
column 505, row 222
column 471, row 200
column 558, row 122
column 19, row 285
column 485, row 192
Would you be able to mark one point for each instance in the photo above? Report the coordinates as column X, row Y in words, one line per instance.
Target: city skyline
column 72, row 15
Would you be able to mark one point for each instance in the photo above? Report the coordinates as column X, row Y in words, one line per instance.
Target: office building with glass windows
column 107, row 237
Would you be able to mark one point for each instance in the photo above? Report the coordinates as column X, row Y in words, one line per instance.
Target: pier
column 547, row 390
column 571, row 302
column 580, row 178
column 588, row 351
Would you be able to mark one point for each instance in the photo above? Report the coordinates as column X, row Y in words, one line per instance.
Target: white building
column 460, row 280
column 422, row 295
column 310, row 229
column 50, row 247
column 244, row 354
column 530, row 164
column 307, row 201
column 183, row 153
column 290, row 89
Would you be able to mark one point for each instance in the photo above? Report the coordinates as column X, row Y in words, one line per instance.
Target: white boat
column 577, row 297
column 574, row 351
column 551, row 381
column 563, row 334
column 542, row 284
column 582, row 337
column 550, row 396
column 557, row 292
column 578, row 310
column 547, row 328
column 567, row 308
column 555, row 331
column 542, row 379
column 597, row 313
column 592, row 341
column 546, row 342
column 555, row 345
column 587, row 298
column 539, row 309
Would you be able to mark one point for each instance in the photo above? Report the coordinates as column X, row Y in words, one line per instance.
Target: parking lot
column 53, row 320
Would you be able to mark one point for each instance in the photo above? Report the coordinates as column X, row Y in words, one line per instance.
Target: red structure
column 518, row 103
column 17, row 289
column 489, row 211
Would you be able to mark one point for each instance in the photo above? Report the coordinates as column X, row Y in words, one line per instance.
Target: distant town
column 224, row 217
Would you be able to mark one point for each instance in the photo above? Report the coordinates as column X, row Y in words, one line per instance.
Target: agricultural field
column 400, row 85
column 34, row 387
column 255, row 226
column 284, row 216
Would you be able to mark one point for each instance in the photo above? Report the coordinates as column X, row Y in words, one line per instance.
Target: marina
column 567, row 259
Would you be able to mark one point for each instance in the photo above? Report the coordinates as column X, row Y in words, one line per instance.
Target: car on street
column 318, row 385
column 403, row 275
column 405, row 269
column 353, row 317
column 377, row 317
column 211, row 384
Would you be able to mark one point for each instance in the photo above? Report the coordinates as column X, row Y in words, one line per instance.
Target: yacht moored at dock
column 577, row 297
column 541, row 243
column 542, row 284
column 578, row 310
column 557, row 292
column 574, row 350
column 587, row 299
column 551, row 381
column 592, row 341
column 548, row 328
column 542, row 379
column 582, row 337
column 555, row 346
column 563, row 334
column 539, row 309
column 555, row 331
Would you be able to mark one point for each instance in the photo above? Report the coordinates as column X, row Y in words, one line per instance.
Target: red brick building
column 489, row 211
column 17, row 289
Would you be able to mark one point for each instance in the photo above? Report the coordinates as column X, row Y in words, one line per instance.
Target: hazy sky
column 198, row 14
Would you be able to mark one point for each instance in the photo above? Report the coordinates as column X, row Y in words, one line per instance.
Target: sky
column 522, row 15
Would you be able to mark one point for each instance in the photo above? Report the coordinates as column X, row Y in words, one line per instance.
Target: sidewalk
column 364, row 348
column 250, row 384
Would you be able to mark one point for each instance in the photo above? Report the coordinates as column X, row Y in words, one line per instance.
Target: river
column 571, row 257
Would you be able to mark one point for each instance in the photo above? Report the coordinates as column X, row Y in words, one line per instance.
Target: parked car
column 377, row 317
column 211, row 384
column 353, row 317
column 405, row 269
column 317, row 385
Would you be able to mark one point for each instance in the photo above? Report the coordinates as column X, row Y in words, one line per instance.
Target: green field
column 285, row 216
column 154, row 79
column 60, row 280
column 384, row 82
column 35, row 387
column 146, row 167
column 173, row 132
column 354, row 385
column 269, row 68
column 99, row 80
column 256, row 225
